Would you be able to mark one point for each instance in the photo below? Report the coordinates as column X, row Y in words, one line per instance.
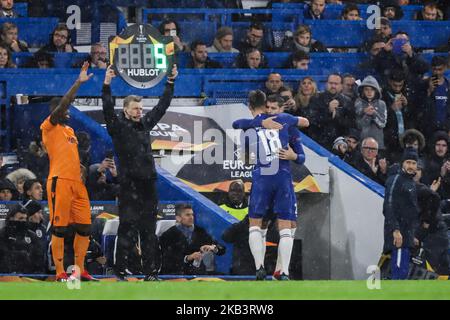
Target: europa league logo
column 141, row 55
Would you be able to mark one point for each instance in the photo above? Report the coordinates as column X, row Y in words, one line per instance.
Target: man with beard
column 199, row 57
column 401, row 213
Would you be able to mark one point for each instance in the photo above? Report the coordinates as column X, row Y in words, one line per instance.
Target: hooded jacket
column 371, row 125
column 400, row 210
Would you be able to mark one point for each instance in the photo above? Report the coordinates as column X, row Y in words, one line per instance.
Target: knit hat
column 410, row 154
column 385, row 21
column 224, row 31
column 338, row 142
column 353, row 133
column 31, row 207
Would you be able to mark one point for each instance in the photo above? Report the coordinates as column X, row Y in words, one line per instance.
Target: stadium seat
column 21, row 8
column 110, row 234
column 352, row 34
column 35, row 31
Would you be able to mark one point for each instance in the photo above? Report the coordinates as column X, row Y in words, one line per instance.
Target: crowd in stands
column 367, row 122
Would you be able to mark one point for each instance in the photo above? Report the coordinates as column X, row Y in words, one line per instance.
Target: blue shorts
column 272, row 193
column 294, row 209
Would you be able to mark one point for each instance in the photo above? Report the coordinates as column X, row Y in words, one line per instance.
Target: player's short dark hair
column 276, row 98
column 438, row 61
column 197, row 43
column 179, row 208
column 256, row 99
column 131, row 98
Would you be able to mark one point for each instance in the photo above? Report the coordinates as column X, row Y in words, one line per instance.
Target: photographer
column 287, row 95
column 398, row 54
column 138, row 197
column 171, row 28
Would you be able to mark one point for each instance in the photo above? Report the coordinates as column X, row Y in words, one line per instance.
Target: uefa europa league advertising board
column 141, row 56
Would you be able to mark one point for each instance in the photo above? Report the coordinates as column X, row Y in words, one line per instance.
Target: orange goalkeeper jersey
column 62, row 147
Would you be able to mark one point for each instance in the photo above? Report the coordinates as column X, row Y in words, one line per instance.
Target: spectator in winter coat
column 371, row 111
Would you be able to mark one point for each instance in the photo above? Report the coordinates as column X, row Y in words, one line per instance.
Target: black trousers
column 138, row 203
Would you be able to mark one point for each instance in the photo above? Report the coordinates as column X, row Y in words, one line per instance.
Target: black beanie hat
column 31, row 207
column 410, row 154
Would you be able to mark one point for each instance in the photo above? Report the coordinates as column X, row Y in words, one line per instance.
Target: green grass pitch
column 235, row 290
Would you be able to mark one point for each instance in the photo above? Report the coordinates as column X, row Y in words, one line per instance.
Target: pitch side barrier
column 355, row 218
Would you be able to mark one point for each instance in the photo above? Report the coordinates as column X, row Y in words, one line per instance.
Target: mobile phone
column 434, row 78
column 173, row 33
column 398, row 96
column 109, row 154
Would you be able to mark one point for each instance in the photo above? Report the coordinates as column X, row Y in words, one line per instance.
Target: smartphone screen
column 173, row 32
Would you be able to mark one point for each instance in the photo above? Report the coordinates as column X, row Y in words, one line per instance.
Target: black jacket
column 391, row 134
column 429, row 124
column 20, row 250
column 360, row 164
column 434, row 239
column 289, row 44
column 175, row 246
column 132, row 139
column 414, row 67
column 209, row 64
column 324, row 129
column 400, row 210
column 243, row 262
column 52, row 48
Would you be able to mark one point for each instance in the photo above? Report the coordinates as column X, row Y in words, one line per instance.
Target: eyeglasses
column 59, row 35
column 370, row 148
